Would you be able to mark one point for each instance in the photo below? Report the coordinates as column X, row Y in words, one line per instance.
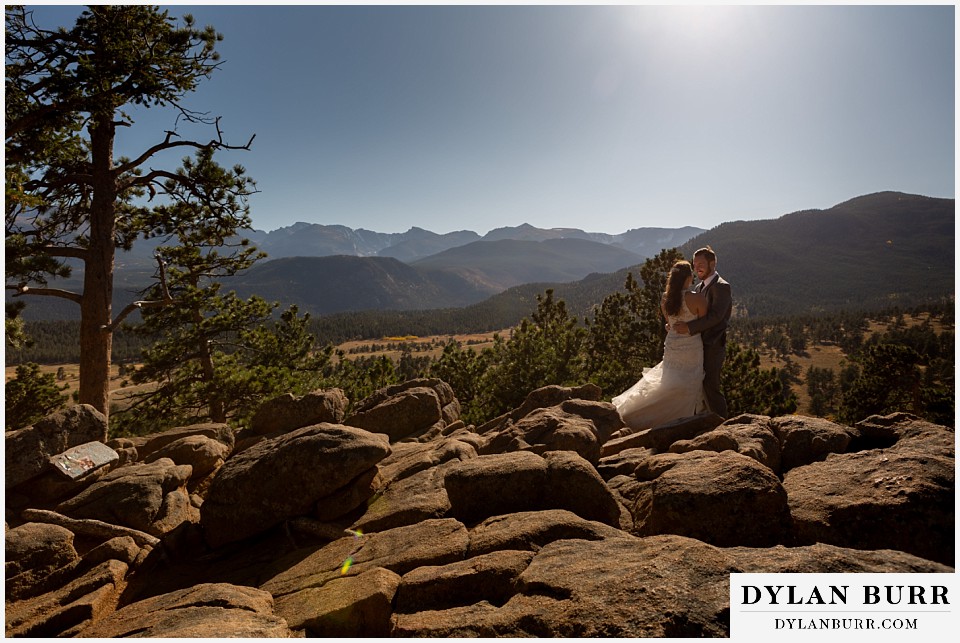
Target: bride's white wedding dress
column 673, row 388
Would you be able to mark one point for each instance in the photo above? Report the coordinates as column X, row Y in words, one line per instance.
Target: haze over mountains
column 333, row 268
column 870, row 252
column 318, row 240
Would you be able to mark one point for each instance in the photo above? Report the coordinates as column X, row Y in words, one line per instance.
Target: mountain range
column 456, row 277
column 333, row 268
column 319, row 240
column 870, row 252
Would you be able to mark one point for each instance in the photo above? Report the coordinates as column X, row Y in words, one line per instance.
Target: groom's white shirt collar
column 709, row 280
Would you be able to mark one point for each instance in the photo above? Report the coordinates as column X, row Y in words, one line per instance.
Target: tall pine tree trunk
column 217, row 407
column 96, row 313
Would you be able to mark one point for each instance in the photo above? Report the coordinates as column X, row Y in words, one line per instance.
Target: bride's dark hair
column 673, row 298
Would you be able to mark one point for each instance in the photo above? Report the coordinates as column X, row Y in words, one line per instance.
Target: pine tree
column 751, row 389
column 545, row 349
column 359, row 378
column 889, row 380
column 464, row 369
column 824, row 391
column 67, row 93
column 30, row 396
column 627, row 332
column 615, row 353
column 219, row 356
column 14, row 333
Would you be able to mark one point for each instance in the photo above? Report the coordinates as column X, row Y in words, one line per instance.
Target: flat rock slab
column 655, row 587
column 353, row 606
column 430, row 542
column 82, row 460
column 211, row 610
column 65, row 611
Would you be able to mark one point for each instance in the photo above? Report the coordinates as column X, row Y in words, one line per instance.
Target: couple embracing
column 687, row 381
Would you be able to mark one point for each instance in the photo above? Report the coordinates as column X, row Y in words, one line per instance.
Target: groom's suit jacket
column 713, row 326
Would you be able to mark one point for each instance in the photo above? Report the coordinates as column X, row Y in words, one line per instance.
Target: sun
column 686, row 26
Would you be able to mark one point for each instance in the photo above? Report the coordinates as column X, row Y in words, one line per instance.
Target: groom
column 712, row 327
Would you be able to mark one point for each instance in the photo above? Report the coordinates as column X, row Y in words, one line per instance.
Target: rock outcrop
column 417, row 410
column 285, row 477
column 900, row 497
column 725, row 499
column 28, row 450
column 288, row 412
column 399, row 520
column 150, row 497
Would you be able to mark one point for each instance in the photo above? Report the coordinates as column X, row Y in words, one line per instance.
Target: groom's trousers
column 713, row 356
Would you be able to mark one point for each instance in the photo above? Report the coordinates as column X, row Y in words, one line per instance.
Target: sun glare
column 688, row 26
column 699, row 22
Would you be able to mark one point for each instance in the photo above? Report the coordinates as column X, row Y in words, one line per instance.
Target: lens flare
column 348, row 563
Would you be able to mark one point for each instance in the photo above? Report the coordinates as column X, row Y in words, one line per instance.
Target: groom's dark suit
column 713, row 330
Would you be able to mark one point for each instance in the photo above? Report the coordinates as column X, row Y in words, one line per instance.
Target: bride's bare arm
column 697, row 304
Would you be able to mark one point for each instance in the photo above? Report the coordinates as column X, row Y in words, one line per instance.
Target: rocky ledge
column 399, row 520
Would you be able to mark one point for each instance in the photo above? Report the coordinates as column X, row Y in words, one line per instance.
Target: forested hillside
column 324, row 285
column 881, row 359
column 874, row 251
column 509, row 262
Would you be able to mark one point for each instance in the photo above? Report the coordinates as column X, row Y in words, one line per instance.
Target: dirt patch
column 432, row 346
column 70, row 375
column 821, row 356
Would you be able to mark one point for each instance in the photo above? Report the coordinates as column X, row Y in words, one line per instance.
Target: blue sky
column 604, row 118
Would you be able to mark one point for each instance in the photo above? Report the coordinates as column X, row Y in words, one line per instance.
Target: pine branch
column 169, row 144
column 136, row 305
column 166, row 300
column 66, row 251
column 46, row 292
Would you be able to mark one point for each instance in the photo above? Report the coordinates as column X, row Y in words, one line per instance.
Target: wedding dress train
column 673, row 388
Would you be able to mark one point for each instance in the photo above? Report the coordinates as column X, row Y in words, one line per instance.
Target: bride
column 673, row 388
